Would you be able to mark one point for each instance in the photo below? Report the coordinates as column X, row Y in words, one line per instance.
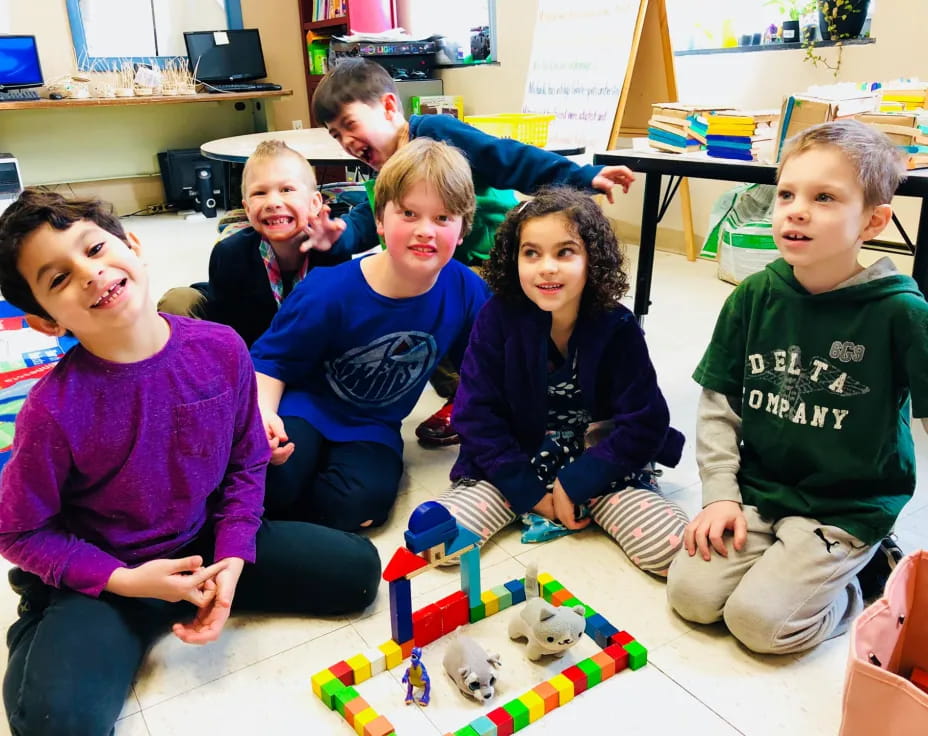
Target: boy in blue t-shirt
column 348, row 355
column 359, row 104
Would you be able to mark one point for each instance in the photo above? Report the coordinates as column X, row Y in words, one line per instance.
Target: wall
column 114, row 149
column 759, row 79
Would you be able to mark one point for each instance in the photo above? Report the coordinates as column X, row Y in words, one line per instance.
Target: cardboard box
column 438, row 105
column 803, row 111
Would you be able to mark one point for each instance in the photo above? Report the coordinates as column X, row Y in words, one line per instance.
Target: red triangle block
column 402, row 564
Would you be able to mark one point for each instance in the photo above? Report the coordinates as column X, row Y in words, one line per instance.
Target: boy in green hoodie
column 803, row 439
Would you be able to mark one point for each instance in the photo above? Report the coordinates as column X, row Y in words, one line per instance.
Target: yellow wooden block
column 320, row 679
column 490, row 602
column 361, row 666
column 362, row 719
column 544, row 577
column 392, row 652
column 536, row 706
column 564, row 687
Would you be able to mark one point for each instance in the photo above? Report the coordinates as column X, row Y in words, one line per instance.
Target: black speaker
column 205, row 198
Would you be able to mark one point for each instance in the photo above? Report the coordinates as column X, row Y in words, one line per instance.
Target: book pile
column 903, row 130
column 900, row 99
column 678, row 128
column 832, row 102
column 742, row 135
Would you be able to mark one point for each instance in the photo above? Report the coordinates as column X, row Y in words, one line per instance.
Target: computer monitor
column 225, row 56
column 19, row 63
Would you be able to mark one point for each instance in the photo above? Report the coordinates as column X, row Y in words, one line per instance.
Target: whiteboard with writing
column 580, row 55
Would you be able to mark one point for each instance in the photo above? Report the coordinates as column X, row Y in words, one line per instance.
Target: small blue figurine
column 417, row 676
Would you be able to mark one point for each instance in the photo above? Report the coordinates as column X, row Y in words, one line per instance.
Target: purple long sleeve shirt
column 117, row 464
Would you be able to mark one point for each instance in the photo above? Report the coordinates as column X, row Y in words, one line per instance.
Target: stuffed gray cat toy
column 548, row 629
column 471, row 668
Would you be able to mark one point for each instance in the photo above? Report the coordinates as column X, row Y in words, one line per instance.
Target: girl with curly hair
column 558, row 410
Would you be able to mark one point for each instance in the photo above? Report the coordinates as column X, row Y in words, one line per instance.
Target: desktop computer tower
column 192, row 181
column 11, row 183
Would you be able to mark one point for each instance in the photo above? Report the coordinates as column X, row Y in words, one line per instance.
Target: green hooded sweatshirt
column 824, row 382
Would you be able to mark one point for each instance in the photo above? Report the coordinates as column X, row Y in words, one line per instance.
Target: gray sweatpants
column 648, row 527
column 793, row 584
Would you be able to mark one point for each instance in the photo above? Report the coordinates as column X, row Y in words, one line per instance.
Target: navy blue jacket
column 500, row 409
column 239, row 292
column 494, row 162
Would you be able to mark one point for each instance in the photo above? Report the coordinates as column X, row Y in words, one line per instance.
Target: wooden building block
column 490, row 602
column 535, row 705
column 549, row 695
column 342, row 670
column 637, row 655
column 320, row 679
column 593, row 674
column 605, row 663
column 519, row 712
column 393, row 656
column 380, row 726
column 564, row 686
column 361, row 667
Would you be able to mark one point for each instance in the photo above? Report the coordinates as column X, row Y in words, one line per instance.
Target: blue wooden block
column 401, row 610
column 517, row 588
column 427, row 538
column 427, row 515
column 484, row 727
column 470, row 576
column 600, row 630
column 464, row 538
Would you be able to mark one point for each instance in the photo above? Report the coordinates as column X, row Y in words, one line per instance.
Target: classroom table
column 316, row 145
column 655, row 165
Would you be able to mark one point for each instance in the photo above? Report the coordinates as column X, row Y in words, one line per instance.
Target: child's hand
column 709, row 528
column 281, row 447
column 545, row 507
column 211, row 617
column 564, row 508
column 609, row 177
column 322, row 232
column 168, row 580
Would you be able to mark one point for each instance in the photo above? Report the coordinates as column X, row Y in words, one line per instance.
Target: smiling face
column 279, row 199
column 369, row 131
column 820, row 220
column 552, row 264
column 88, row 280
column 420, row 234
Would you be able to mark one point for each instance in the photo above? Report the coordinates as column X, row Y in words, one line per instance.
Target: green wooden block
column 340, row 698
column 594, row 675
column 478, row 613
column 549, row 589
column 637, row 655
column 466, row 731
column 519, row 712
column 503, row 595
column 590, row 611
column 570, row 602
column 329, row 690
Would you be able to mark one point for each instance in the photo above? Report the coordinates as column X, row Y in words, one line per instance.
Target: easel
column 650, row 78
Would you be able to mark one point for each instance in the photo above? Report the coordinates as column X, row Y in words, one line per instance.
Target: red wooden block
column 621, row 638
column 559, row 596
column 426, row 625
column 343, row 672
column 919, row 678
column 548, row 693
column 577, row 677
column 402, row 564
column 503, row 721
column 454, row 611
column 619, row 655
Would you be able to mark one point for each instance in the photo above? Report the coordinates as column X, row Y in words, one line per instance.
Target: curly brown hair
column 606, row 281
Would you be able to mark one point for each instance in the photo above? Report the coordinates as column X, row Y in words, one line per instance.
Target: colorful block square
column 519, row 712
column 362, row 719
column 320, row 679
column 393, row 655
column 564, row 686
column 605, row 663
column 593, row 674
column 517, row 588
column 577, row 677
column 490, row 602
column 549, row 695
column 535, row 705
column 377, row 660
column 503, row 595
column 637, row 655
column 328, row 692
column 343, row 696
column 619, row 655
column 478, row 613
column 342, row 670
column 622, row 638
column 361, row 668
column 503, row 722
column 484, row 727
column 380, row 726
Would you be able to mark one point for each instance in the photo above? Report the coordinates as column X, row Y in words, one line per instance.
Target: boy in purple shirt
column 137, row 460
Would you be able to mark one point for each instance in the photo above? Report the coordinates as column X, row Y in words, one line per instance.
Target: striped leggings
column 647, row 527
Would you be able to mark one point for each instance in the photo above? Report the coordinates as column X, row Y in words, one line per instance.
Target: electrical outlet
column 298, row 125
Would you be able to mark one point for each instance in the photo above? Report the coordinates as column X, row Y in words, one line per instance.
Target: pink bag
column 887, row 640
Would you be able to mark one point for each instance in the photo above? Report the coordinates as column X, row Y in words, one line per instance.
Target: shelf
column 45, row 104
column 315, row 25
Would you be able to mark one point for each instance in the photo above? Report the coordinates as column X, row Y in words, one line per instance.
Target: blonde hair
column 440, row 166
column 877, row 161
column 277, row 149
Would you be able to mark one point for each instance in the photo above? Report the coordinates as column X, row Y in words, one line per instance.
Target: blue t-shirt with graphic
column 354, row 361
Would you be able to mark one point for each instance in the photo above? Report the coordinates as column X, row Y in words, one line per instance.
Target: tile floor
column 699, row 681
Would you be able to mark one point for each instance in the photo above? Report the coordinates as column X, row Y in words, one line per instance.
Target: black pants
column 339, row 484
column 72, row 658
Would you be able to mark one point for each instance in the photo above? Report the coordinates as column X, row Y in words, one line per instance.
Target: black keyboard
column 18, row 95
column 243, row 87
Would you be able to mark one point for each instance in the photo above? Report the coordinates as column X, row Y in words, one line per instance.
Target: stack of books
column 900, row 99
column 903, row 130
column 678, row 128
column 832, row 102
column 742, row 135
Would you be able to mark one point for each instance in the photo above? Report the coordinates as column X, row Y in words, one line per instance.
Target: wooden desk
column 68, row 103
column 315, row 144
column 654, row 165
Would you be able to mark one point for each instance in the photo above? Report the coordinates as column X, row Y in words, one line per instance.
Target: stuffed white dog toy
column 471, row 668
column 548, row 629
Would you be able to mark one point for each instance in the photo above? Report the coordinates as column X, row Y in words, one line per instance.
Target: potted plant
column 791, row 11
column 838, row 19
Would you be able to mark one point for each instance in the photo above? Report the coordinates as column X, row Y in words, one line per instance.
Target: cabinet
column 360, row 16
